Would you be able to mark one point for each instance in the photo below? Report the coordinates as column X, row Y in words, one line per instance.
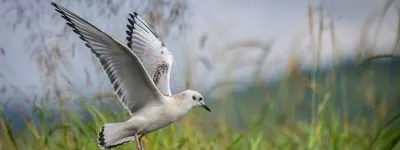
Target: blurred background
column 277, row 74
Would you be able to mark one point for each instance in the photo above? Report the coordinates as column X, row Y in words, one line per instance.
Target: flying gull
column 139, row 74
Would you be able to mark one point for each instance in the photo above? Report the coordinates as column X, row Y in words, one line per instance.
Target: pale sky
column 224, row 21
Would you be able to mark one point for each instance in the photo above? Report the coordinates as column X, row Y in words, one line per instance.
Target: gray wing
column 127, row 75
column 156, row 58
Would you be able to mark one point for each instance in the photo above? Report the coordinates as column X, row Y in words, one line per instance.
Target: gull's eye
column 194, row 97
column 200, row 98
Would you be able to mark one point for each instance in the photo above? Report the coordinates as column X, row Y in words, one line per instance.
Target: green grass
column 327, row 133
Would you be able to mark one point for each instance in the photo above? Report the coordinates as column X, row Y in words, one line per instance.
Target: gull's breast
column 155, row 118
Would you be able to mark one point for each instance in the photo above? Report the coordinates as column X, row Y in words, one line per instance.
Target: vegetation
column 348, row 107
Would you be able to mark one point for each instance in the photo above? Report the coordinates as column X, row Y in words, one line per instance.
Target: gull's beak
column 205, row 107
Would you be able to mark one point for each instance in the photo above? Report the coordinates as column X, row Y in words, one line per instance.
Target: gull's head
column 194, row 99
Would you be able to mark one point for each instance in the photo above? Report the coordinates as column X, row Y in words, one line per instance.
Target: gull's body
column 158, row 116
column 139, row 74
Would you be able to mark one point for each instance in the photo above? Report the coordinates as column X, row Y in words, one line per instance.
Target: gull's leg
column 138, row 142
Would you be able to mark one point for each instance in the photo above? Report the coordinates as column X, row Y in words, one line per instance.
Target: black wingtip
column 56, row 7
column 72, row 25
column 76, row 31
column 54, row 4
column 130, row 21
column 83, row 38
column 128, row 32
column 87, row 45
column 135, row 13
column 65, row 17
column 131, row 15
column 129, row 38
column 129, row 27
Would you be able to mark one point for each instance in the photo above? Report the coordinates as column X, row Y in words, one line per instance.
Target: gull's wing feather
column 156, row 58
column 128, row 77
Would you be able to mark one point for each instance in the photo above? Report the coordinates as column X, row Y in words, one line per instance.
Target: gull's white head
column 193, row 99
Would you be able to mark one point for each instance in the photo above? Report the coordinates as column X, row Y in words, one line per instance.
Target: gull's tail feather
column 114, row 134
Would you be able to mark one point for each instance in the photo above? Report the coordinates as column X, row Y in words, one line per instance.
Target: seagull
column 139, row 74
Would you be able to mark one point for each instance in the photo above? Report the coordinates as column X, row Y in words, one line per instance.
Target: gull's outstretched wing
column 156, row 58
column 128, row 77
